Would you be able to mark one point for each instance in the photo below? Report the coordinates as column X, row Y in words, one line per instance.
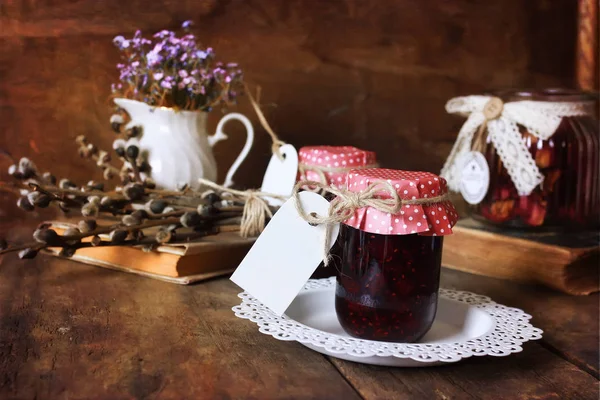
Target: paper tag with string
column 281, row 174
column 286, row 254
column 282, row 170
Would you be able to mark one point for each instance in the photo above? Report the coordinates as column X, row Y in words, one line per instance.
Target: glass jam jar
column 388, row 278
column 330, row 165
column 569, row 160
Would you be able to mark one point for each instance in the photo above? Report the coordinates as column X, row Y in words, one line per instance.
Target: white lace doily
column 510, row 329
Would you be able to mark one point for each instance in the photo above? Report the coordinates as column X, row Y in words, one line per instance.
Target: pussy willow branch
column 136, row 170
column 83, row 143
column 55, row 196
column 229, row 223
column 141, row 205
column 56, row 191
column 185, row 238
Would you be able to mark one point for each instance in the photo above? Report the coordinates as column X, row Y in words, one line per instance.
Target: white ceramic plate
column 466, row 325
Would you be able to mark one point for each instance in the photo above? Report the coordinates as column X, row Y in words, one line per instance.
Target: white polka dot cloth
column 342, row 157
column 428, row 220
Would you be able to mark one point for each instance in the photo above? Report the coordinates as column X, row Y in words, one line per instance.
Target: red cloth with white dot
column 429, row 220
column 339, row 157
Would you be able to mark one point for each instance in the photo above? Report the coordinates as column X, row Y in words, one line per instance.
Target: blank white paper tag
column 280, row 176
column 285, row 254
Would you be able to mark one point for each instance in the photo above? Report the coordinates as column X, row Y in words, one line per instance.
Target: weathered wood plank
column 533, row 374
column 73, row 331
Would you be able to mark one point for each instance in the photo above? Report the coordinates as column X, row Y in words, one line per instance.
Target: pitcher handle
column 220, row 135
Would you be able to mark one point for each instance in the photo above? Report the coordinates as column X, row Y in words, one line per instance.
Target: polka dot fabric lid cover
column 427, row 220
column 342, row 157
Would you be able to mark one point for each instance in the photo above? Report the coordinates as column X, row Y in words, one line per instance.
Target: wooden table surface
column 69, row 330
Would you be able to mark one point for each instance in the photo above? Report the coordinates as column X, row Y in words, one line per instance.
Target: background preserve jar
column 330, row 165
column 388, row 278
column 568, row 160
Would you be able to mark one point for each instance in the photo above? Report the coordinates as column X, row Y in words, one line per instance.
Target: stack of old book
column 183, row 263
column 567, row 261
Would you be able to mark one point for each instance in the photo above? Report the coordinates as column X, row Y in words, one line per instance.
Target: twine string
column 256, row 209
column 276, row 142
column 346, row 202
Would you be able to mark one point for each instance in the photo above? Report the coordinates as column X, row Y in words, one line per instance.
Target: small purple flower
column 163, row 34
column 187, row 24
column 174, row 63
column 126, row 73
column 158, row 48
column 153, row 58
column 118, row 40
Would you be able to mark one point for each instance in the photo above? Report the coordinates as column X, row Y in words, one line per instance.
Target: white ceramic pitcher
column 177, row 143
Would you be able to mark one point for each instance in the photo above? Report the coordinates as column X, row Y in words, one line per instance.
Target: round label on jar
column 474, row 177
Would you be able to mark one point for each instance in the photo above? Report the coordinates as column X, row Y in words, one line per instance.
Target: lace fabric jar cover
column 330, row 165
column 389, row 267
column 559, row 182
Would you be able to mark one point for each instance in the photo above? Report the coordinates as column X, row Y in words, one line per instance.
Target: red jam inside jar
column 387, row 286
column 389, row 264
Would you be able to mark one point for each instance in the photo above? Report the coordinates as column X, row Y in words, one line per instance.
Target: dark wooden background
column 369, row 73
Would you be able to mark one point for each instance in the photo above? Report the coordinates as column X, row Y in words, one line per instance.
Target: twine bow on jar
column 540, row 118
column 346, row 202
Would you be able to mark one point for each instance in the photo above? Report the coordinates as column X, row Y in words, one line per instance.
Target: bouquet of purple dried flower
column 171, row 71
